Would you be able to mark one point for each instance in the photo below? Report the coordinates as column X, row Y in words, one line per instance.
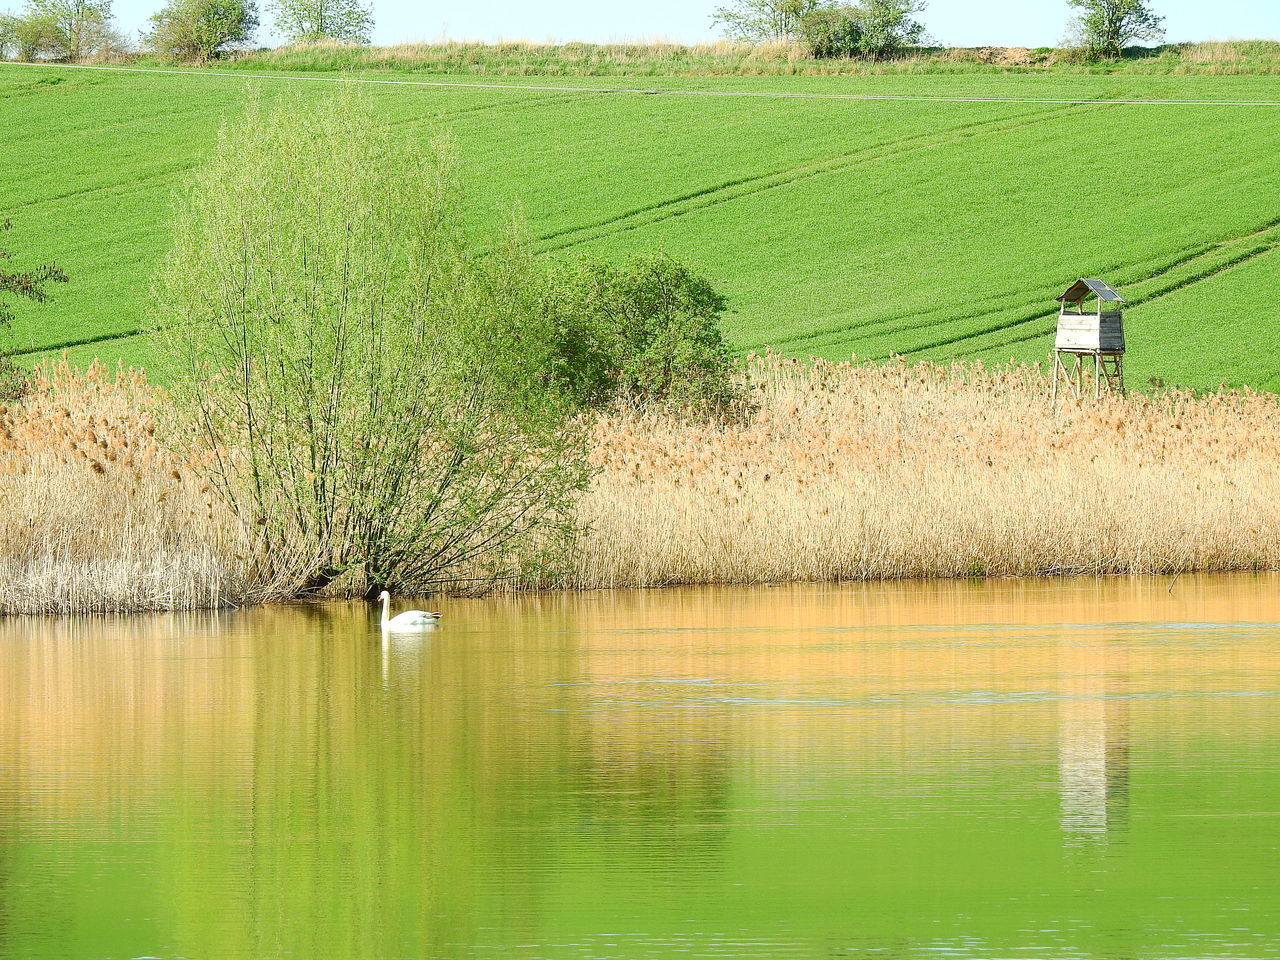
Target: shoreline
column 840, row 474
column 1157, row 587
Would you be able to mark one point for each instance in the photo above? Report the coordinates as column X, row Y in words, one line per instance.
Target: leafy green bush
column 308, row 21
column 888, row 26
column 35, row 36
column 831, row 32
column 67, row 30
column 645, row 330
column 198, row 30
column 370, row 396
column 763, row 20
column 1106, row 27
column 872, row 29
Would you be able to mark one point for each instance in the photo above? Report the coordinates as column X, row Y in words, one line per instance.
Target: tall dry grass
column 838, row 472
column 96, row 513
column 859, row 472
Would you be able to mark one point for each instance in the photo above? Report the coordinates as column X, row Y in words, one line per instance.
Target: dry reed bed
column 98, row 514
column 862, row 472
column 840, row 472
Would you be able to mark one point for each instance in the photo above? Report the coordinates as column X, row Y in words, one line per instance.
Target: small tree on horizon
column 890, row 25
column 301, row 21
column 78, row 28
column 1106, row 27
column 764, row 21
column 201, row 29
column 877, row 29
column 36, row 38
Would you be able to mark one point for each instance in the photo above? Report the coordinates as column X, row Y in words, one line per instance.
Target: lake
column 1040, row 768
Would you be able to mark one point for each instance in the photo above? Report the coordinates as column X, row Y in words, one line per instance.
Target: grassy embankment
column 934, row 230
column 727, row 58
column 843, row 472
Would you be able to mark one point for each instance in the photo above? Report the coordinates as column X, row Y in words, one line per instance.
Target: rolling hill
column 937, row 223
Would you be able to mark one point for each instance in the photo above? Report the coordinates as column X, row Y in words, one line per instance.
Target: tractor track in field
column 1269, row 244
column 135, row 184
column 178, row 167
column 742, row 187
column 1032, row 300
column 1187, row 256
column 707, row 198
column 1245, row 257
column 85, row 342
column 502, row 105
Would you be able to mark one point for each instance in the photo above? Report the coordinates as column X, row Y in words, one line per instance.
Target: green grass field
column 834, row 226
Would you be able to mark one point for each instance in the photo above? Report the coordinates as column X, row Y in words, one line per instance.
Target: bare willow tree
column 370, row 395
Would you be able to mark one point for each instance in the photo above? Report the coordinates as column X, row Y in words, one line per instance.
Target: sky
column 963, row 23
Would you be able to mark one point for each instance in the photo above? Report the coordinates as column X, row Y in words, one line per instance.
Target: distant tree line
column 188, row 30
column 882, row 29
column 198, row 30
column 60, row 30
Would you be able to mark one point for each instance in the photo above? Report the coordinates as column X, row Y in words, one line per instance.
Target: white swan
column 407, row 621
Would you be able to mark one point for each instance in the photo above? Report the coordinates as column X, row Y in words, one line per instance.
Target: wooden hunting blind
column 1086, row 330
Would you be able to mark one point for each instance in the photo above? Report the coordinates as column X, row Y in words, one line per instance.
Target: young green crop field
column 927, row 228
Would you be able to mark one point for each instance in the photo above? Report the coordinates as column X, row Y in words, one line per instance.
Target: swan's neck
column 386, row 609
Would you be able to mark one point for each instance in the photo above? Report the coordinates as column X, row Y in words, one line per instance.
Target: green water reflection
column 1016, row 769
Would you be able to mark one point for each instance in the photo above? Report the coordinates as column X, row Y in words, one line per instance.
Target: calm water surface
column 1013, row 769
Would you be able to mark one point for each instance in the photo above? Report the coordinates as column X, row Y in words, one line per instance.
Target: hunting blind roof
column 1083, row 287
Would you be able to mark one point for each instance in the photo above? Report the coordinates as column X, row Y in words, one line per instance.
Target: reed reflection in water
column 1047, row 768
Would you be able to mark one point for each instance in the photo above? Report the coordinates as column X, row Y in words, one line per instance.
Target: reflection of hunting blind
column 1094, row 333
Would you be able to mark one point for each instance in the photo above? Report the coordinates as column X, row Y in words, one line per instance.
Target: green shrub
column 645, row 330
column 1107, row 27
column 831, row 32
column 764, row 21
column 37, row 37
column 1075, row 56
column 198, row 30
column 371, row 397
column 889, row 26
column 308, row 21
column 68, row 30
